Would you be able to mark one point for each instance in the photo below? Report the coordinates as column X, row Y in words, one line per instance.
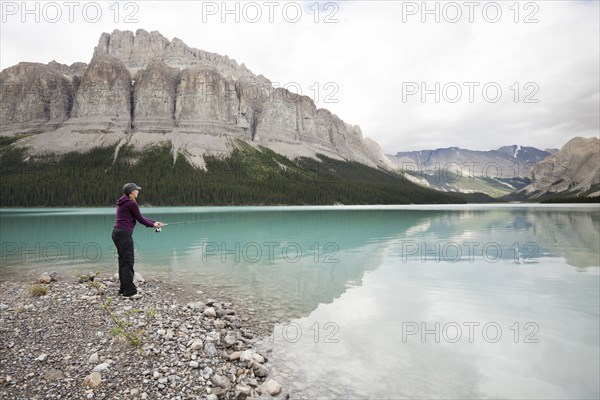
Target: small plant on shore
column 85, row 278
column 38, row 290
column 151, row 313
column 121, row 329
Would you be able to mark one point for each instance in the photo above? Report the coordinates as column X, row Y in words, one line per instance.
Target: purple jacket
column 128, row 212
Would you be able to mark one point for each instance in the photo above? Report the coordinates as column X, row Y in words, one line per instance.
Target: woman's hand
column 158, row 224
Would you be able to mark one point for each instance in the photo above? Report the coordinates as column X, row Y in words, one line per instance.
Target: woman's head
column 131, row 190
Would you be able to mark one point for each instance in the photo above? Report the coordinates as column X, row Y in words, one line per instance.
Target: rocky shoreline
column 81, row 340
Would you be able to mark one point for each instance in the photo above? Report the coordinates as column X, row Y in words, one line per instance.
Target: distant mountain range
column 510, row 172
column 494, row 172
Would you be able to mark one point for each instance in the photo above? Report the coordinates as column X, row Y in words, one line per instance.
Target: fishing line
column 157, row 230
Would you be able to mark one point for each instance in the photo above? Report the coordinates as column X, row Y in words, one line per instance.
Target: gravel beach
column 174, row 342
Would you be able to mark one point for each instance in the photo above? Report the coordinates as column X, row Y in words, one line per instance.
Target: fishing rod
column 157, row 230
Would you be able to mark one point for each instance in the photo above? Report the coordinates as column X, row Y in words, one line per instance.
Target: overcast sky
column 369, row 61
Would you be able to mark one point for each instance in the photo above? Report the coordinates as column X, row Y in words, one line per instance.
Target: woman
column 128, row 212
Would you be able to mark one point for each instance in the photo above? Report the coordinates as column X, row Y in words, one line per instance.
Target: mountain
column 191, row 127
column 574, row 170
column 142, row 89
column 494, row 172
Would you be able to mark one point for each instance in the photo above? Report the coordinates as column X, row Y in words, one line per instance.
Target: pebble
column 246, row 355
column 210, row 350
column 221, row 381
column 197, row 305
column 220, row 324
column 47, row 277
column 138, row 278
column 210, row 312
column 93, row 380
column 93, row 358
column 197, row 344
column 260, row 370
column 230, row 340
column 242, row 392
column 101, row 367
column 272, row 387
column 53, row 375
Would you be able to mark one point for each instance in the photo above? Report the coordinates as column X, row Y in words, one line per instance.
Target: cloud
column 358, row 58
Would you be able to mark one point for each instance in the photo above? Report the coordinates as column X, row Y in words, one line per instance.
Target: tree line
column 246, row 177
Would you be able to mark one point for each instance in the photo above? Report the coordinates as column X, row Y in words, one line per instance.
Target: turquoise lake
column 470, row 301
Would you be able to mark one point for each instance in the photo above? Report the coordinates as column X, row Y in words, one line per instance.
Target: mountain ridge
column 495, row 172
column 572, row 171
column 525, row 155
column 142, row 89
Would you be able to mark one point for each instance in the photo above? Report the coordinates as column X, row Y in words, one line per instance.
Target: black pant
column 124, row 242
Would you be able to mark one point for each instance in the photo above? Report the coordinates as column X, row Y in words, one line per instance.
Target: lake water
column 373, row 302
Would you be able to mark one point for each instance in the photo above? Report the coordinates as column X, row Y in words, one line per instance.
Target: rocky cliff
column 142, row 89
column 35, row 97
column 104, row 94
column 574, row 170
